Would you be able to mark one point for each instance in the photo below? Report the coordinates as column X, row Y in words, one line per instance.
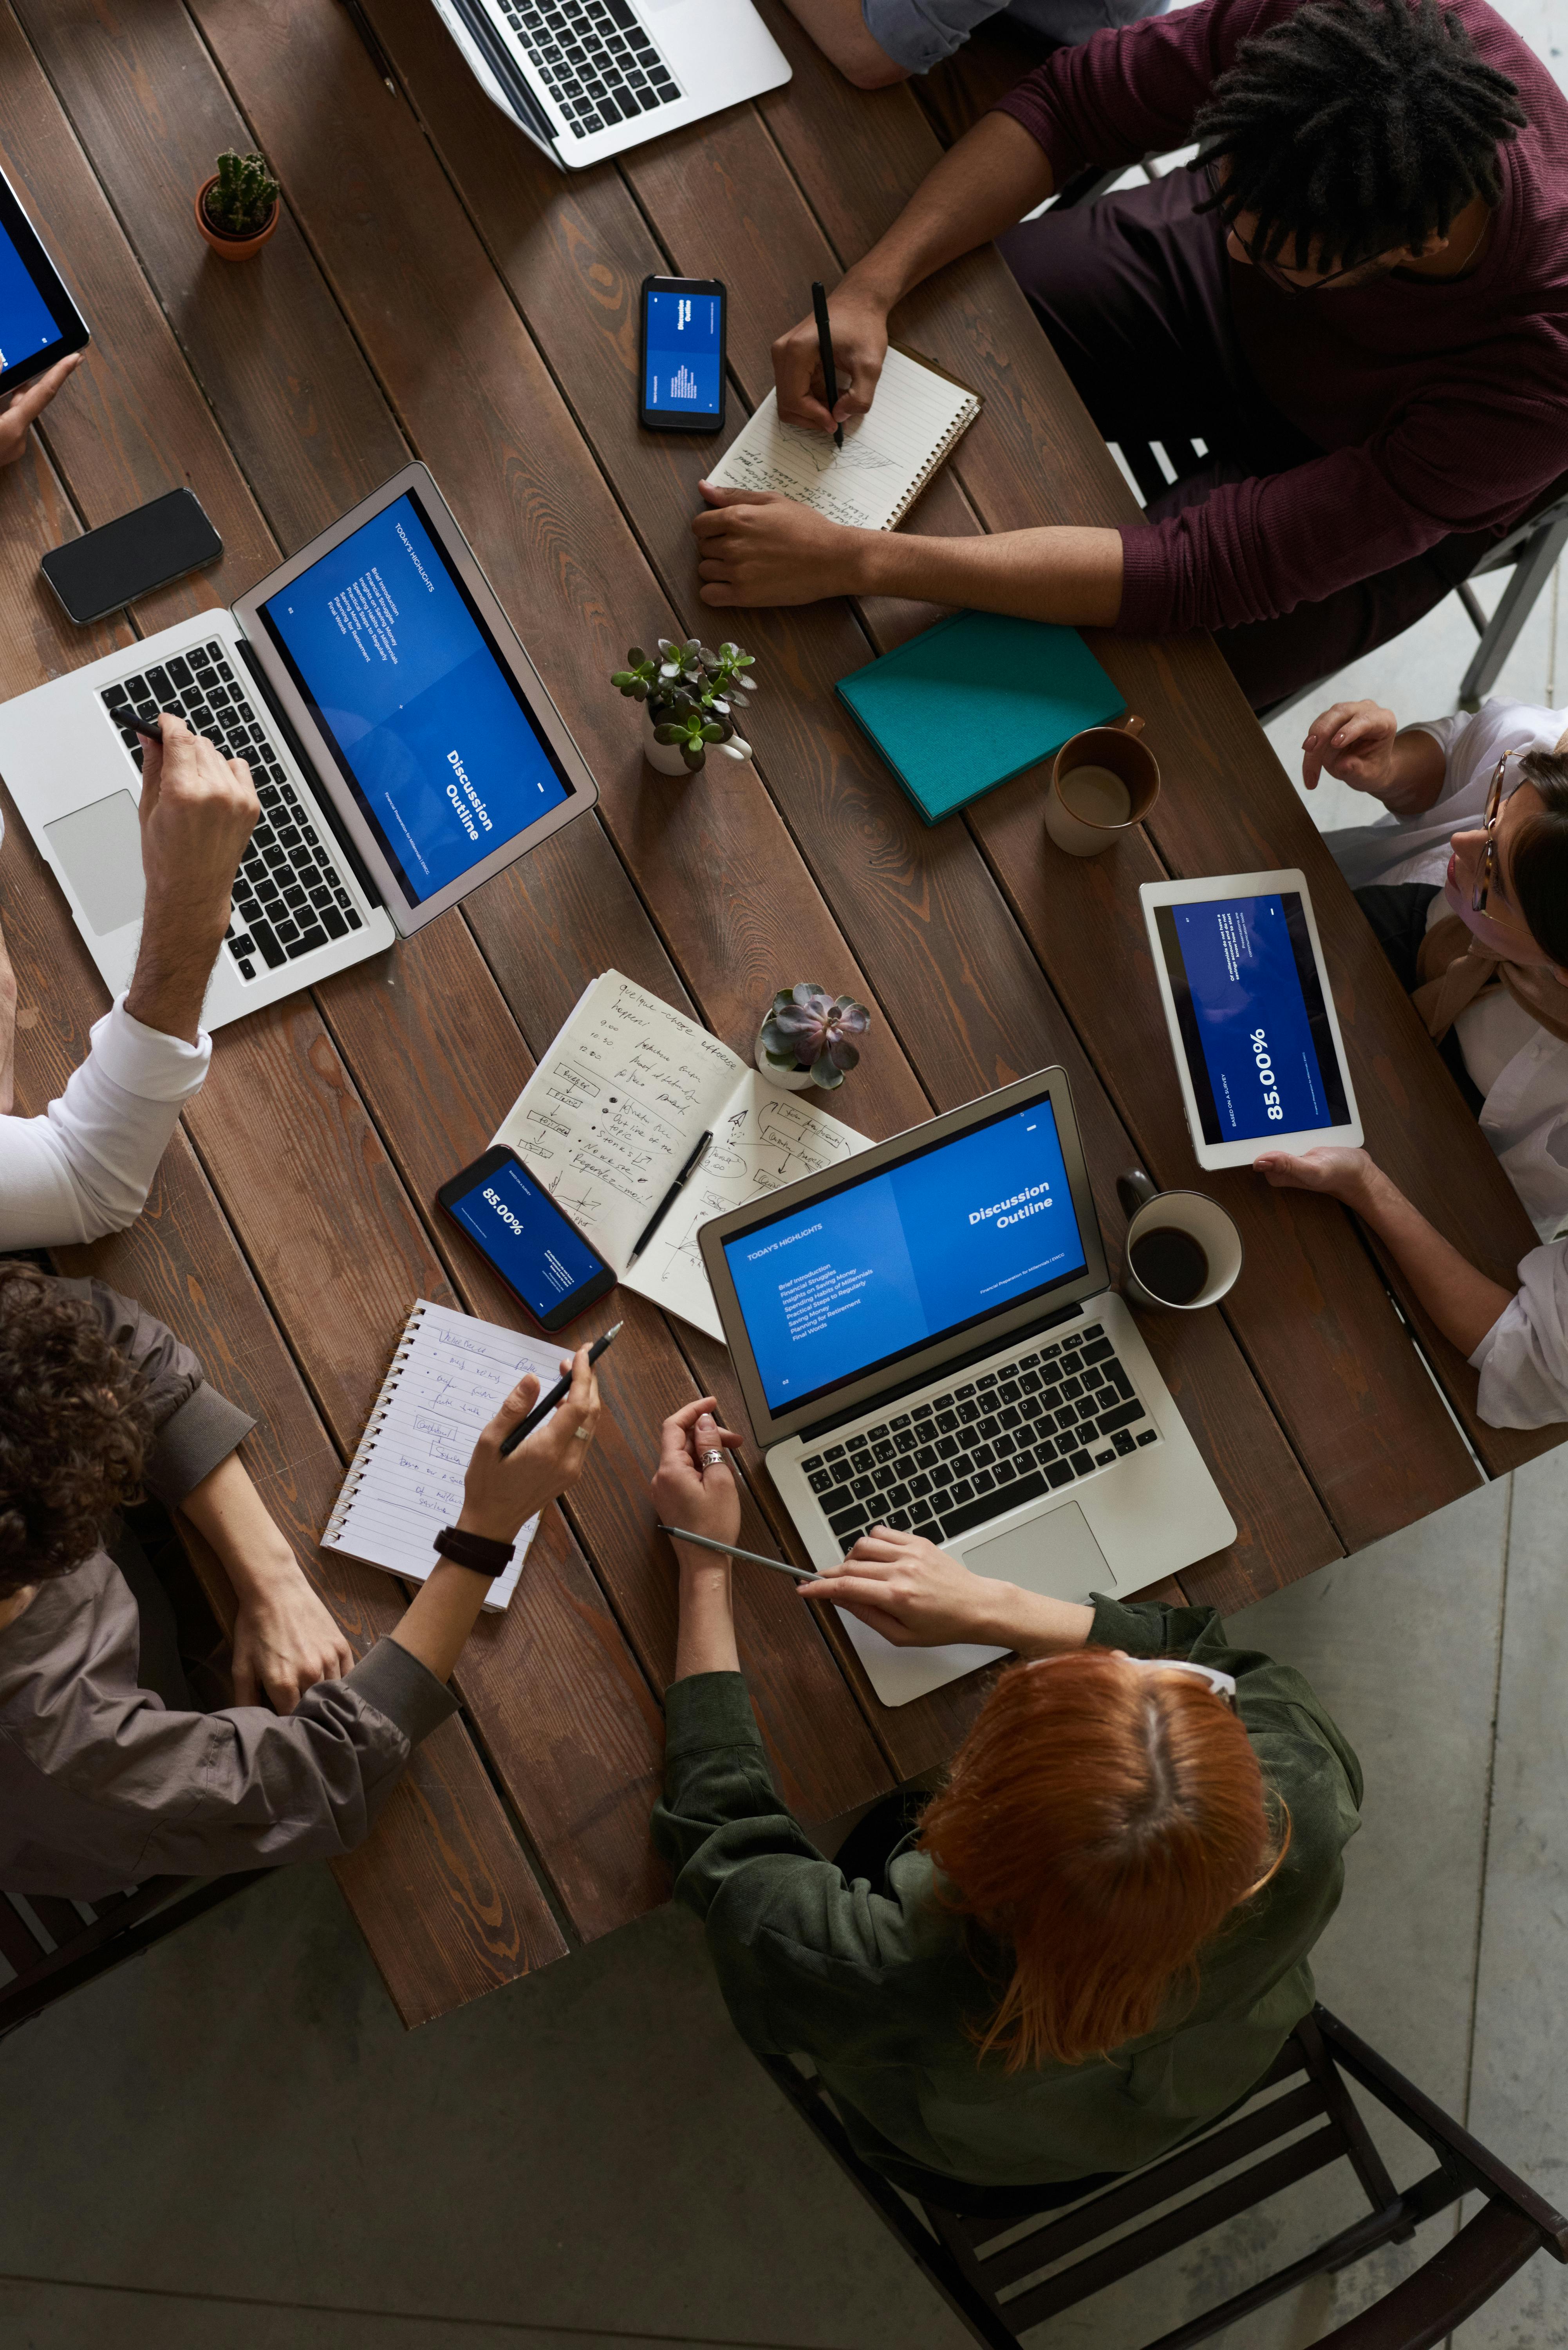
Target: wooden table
column 435, row 288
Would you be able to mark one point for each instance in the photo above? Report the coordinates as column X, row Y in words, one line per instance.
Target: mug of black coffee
column 1182, row 1248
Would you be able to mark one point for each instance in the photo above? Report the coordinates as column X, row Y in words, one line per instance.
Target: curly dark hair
column 73, row 1429
column 1365, row 124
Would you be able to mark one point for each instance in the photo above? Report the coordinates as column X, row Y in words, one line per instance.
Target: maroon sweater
column 1441, row 404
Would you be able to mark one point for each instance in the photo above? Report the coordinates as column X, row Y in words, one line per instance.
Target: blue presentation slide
column 526, row 1238
column 26, row 324
column 683, row 353
column 425, row 717
column 1244, row 978
column 882, row 1266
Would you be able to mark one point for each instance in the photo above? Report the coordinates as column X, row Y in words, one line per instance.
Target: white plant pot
column 789, row 1081
column 665, row 756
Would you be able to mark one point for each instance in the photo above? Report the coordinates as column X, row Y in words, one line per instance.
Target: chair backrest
column 1003, row 2275
column 53, row 1946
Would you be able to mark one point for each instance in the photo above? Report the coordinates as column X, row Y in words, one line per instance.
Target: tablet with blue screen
column 39, row 323
column 1258, row 1052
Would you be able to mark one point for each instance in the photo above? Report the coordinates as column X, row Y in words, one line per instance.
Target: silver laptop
column 583, row 78
column 927, row 1339
column 401, row 741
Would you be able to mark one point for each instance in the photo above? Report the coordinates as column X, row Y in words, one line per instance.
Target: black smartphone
column 682, row 346
column 534, row 1247
column 132, row 556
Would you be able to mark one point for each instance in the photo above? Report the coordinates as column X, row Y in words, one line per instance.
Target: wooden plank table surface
column 435, row 288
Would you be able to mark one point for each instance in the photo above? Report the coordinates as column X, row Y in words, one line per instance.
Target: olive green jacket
column 878, row 1985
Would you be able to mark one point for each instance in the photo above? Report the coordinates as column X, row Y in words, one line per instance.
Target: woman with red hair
column 1091, row 1941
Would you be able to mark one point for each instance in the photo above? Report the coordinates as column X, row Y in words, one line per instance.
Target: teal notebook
column 974, row 700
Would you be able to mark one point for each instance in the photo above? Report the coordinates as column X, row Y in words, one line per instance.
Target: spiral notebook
column 917, row 420
column 448, row 1374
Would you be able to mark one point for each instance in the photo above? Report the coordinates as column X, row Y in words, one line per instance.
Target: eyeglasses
column 1222, row 1684
column 1486, row 871
column 1272, row 270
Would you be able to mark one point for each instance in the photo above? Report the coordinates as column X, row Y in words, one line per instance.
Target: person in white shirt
column 84, row 1168
column 1465, row 880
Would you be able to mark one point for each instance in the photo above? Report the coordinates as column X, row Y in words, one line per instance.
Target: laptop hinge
column 890, row 1396
column 308, row 766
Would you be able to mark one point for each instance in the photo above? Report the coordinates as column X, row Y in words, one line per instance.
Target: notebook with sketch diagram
column 616, row 1109
column 448, row 1374
column 890, row 455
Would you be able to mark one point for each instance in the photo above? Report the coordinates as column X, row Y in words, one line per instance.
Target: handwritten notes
column 613, row 1113
column 887, row 457
column 405, row 1483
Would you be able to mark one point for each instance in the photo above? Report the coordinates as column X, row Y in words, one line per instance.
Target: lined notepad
column 890, row 455
column 448, row 1374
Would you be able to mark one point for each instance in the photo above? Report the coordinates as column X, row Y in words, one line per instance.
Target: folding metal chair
column 1000, row 2283
column 53, row 1945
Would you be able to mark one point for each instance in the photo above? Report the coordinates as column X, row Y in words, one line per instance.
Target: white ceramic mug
column 1199, row 1220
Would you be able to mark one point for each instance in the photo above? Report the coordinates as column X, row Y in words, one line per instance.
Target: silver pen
column 730, row 1550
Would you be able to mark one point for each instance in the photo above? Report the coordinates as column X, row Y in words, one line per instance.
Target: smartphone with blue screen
column 682, row 350
column 534, row 1245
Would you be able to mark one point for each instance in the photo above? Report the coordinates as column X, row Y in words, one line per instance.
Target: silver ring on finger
column 583, row 1435
column 709, row 1460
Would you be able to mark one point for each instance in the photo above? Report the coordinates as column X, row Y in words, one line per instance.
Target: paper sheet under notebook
column 613, row 1111
column 888, row 454
column 449, row 1373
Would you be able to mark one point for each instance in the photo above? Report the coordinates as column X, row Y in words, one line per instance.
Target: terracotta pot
column 233, row 248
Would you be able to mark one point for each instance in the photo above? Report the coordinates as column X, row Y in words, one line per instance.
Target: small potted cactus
column 238, row 208
column 807, row 1037
column 690, row 696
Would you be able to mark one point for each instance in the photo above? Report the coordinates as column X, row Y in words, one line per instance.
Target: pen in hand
column 825, row 346
column 562, row 1388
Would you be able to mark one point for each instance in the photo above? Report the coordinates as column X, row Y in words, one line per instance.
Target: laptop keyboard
column 595, row 58
column 988, row 1445
column 289, row 894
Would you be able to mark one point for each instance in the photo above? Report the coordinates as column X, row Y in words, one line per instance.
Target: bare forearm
column 173, row 965
column 1034, row 1626
column 1463, row 1303
column 1062, row 573
column 986, row 183
column 1419, row 768
column 706, row 1640
column 228, row 1511
column 838, row 28
column 441, row 1615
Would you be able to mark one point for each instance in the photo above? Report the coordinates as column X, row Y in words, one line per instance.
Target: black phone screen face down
column 132, row 556
column 682, row 354
column 537, row 1251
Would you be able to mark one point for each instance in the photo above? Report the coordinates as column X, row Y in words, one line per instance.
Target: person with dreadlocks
column 1356, row 298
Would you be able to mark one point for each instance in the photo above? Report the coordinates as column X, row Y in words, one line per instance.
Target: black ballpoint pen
column 669, row 1199
column 377, row 54
column 825, row 345
column 546, row 1403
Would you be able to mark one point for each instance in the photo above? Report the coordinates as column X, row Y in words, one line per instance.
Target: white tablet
column 1259, row 1054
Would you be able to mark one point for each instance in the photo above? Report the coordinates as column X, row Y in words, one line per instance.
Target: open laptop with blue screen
column 929, row 1339
column 402, row 743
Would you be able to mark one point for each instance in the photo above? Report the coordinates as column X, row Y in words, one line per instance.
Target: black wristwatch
column 476, row 1552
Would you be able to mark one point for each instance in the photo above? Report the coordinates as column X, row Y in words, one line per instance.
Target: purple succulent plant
column 809, row 1029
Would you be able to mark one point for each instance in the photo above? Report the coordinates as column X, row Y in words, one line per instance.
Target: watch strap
column 477, row 1551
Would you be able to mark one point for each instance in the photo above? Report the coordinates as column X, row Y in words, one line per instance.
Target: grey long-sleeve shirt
column 100, row 1784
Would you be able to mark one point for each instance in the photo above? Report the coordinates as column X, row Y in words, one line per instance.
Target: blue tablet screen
column 404, row 680
column 27, row 324
column 1255, row 1026
column 880, row 1266
column 684, row 346
column 525, row 1237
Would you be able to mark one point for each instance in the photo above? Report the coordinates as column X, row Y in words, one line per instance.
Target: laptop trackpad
column 101, row 848
column 1056, row 1555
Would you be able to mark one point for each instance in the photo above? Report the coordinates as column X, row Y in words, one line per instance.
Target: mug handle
column 1127, row 723
column 1134, row 1190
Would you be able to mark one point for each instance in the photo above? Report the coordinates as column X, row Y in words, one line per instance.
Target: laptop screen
column 883, row 1264
column 404, row 680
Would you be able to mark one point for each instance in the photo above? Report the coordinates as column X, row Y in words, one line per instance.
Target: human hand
column 18, row 412
column 859, row 325
column 1354, row 740
column 499, row 1495
column 285, row 1641
column 913, row 1594
column 755, row 547
column 1347, row 1175
column 704, row 1499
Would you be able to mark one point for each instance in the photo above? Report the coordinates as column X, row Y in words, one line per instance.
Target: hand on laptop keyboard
column 197, row 811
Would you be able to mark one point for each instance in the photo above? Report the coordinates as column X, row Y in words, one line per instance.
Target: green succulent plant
column 691, row 694
column 242, row 200
column 809, row 1029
